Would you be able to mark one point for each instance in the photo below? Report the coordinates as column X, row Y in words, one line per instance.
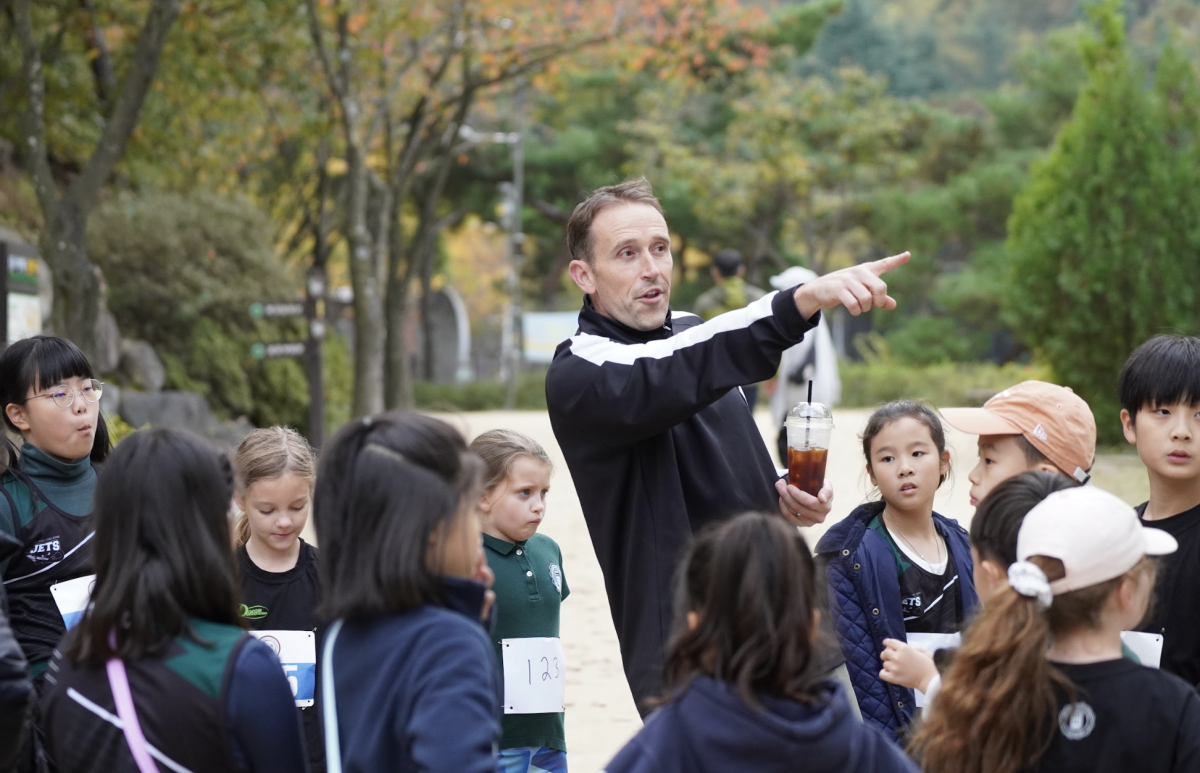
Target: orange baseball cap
column 1055, row 421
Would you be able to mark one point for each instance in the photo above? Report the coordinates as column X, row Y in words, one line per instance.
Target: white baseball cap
column 1094, row 533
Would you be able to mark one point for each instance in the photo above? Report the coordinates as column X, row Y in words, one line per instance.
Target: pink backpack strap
column 118, row 680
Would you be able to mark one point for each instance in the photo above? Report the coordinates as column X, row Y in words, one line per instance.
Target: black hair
column 39, row 362
column 1001, row 513
column 904, row 409
column 752, row 581
column 1163, row 371
column 161, row 547
column 1032, row 455
column 727, row 262
column 385, row 485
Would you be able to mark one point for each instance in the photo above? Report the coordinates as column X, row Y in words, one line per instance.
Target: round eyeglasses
column 63, row 396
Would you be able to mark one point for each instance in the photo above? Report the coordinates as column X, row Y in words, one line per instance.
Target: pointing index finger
column 885, row 265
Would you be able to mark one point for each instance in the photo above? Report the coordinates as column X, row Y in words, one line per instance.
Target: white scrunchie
column 1029, row 580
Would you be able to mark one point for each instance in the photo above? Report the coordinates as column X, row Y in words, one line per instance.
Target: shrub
column 944, row 385
column 481, row 395
column 182, row 272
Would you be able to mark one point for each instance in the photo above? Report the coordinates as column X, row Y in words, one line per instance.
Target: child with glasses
column 51, row 400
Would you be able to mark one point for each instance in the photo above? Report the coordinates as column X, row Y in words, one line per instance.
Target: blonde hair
column 499, row 448
column 265, row 454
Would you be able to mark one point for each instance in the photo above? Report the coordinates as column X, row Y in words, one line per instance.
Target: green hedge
column 481, row 395
column 867, row 384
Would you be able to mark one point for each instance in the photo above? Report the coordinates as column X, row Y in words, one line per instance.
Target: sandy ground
column 600, row 710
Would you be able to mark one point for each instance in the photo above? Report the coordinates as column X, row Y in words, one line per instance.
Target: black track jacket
column 660, row 442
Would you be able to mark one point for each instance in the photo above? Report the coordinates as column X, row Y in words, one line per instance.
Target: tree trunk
column 368, row 303
column 77, row 284
column 79, row 288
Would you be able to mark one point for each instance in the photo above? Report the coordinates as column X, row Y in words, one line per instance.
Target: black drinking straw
column 808, row 418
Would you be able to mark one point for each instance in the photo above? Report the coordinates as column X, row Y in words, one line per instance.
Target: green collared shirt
column 530, row 586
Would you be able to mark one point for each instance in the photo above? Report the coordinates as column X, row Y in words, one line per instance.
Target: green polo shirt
column 530, row 585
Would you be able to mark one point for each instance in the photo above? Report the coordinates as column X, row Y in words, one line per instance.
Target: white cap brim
column 1158, row 542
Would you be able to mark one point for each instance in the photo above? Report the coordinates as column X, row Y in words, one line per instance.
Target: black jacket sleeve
column 16, row 692
column 627, row 392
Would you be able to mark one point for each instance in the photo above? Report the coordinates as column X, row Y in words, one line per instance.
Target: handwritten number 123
column 547, row 663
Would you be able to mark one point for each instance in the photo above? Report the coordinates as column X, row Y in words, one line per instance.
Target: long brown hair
column 995, row 712
column 752, row 582
column 265, row 454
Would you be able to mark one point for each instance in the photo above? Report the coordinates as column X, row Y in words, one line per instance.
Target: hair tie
column 1029, row 580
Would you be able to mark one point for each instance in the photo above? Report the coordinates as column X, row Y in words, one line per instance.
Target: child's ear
column 871, row 475
column 693, row 620
column 815, row 631
column 995, row 573
column 1126, row 425
column 485, row 505
column 945, row 467
column 16, row 414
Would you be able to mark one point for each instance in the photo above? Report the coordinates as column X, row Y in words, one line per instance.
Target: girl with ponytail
column 1040, row 683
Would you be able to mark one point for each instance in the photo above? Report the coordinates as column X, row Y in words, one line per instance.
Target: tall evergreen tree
column 1103, row 238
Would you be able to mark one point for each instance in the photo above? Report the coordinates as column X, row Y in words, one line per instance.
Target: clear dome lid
column 803, row 413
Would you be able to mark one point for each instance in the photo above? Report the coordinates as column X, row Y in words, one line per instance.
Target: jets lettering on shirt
column 45, row 551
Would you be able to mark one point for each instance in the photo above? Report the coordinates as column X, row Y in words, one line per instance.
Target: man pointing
column 647, row 409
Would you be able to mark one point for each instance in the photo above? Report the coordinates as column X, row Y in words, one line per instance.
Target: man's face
column 629, row 275
column 1000, row 458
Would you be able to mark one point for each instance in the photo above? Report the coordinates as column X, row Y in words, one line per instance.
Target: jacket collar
column 845, row 535
column 595, row 323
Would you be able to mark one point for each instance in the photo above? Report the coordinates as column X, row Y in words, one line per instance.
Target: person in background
column 813, row 359
column 530, row 583
column 729, row 291
column 409, row 676
column 742, row 685
column 274, row 473
column 1040, row 683
column 163, row 629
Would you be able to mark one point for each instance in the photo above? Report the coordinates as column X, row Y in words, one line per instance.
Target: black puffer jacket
column 16, row 689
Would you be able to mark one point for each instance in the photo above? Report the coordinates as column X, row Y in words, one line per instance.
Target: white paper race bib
column 297, row 652
column 1147, row 646
column 72, row 598
column 931, row 643
column 535, row 676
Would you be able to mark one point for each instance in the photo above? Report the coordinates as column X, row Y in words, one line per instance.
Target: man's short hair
column 579, row 226
column 1163, row 371
column 727, row 262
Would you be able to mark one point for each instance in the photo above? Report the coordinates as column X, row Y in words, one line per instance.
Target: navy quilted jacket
column 864, row 597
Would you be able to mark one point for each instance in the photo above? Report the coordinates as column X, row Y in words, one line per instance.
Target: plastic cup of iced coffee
column 809, row 429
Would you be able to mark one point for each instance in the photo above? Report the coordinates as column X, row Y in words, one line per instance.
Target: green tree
column 183, row 272
column 1102, row 242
